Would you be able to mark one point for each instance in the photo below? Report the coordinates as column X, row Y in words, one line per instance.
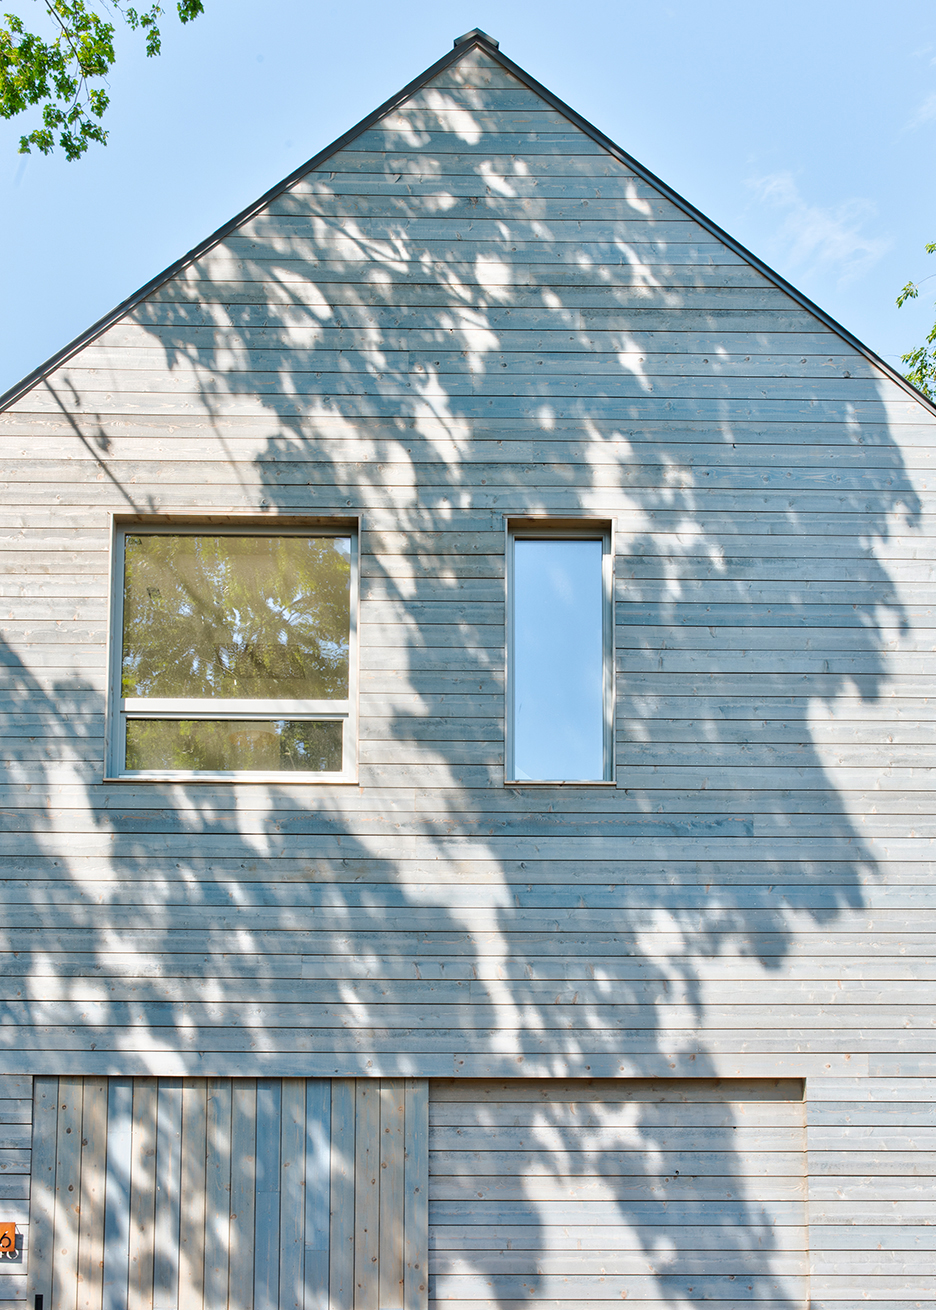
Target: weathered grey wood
column 67, row 1193
column 363, row 406
column 315, row 188
column 391, row 1221
column 32, row 536
column 610, row 947
column 616, row 1139
column 292, row 1194
column 564, row 1014
column 481, row 71
column 218, row 1192
column 92, row 1194
column 367, row 1156
column 610, row 1262
column 366, row 197
column 545, row 1179
column 506, row 1288
column 268, row 1202
column 674, row 1057
column 42, row 1190
column 318, row 1193
column 243, row 1230
column 142, row 1194
column 546, row 378
column 117, row 1205
column 586, row 1230
column 167, row 1220
column 194, row 1198
column 533, row 1164
column 416, row 1198
column 815, row 457
column 342, row 1179
column 861, row 1237
column 350, row 288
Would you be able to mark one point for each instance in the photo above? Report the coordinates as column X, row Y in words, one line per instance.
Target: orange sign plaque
column 7, row 1238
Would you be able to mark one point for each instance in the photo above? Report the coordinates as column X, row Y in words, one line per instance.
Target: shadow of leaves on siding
column 437, row 340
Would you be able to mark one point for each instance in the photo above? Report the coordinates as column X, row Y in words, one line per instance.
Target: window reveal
column 560, row 683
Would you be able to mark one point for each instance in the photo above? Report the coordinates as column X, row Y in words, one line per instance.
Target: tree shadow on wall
column 344, row 353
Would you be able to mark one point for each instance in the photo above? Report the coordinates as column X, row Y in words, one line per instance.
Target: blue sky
column 558, row 659
column 805, row 129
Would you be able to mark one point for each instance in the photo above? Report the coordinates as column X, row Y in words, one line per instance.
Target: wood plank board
column 366, row 1194
column 391, row 1193
column 218, row 1192
column 167, row 1220
column 92, row 1196
column 292, row 1194
column 117, row 1201
column 318, row 1193
column 243, row 1228
column 42, row 1198
column 67, row 1193
column 142, row 1193
column 342, row 1192
column 268, row 1200
column 194, row 1194
column 416, row 1200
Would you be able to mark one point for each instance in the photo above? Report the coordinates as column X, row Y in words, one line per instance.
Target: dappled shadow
column 437, row 340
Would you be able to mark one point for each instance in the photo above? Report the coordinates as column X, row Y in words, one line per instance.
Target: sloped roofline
column 476, row 40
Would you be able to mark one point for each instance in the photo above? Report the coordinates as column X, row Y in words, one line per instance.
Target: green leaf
column 61, row 74
column 921, row 363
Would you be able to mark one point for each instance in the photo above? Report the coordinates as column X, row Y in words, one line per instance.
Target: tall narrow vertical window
column 233, row 654
column 560, row 680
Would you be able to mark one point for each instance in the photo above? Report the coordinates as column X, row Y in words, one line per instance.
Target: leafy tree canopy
column 62, row 73
column 922, row 361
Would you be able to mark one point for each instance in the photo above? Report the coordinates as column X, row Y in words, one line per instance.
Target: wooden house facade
column 468, row 757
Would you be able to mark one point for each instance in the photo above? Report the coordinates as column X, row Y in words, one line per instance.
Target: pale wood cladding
column 870, row 1143
column 562, row 1193
column 15, row 1160
column 870, row 1231
column 437, row 331
column 229, row 1194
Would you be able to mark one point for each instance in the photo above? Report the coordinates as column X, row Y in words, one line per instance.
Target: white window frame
column 120, row 709
column 556, row 529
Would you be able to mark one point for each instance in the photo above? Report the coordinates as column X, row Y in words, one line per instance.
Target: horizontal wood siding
column 558, row 1193
column 469, row 313
column 871, row 1144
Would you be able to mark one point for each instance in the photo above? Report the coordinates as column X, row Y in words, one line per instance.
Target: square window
column 234, row 654
column 560, row 684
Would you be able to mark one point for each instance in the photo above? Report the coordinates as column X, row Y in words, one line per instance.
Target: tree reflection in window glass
column 236, row 616
column 224, row 745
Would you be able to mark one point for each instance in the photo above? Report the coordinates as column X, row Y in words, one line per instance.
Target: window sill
column 253, row 780
column 538, row 782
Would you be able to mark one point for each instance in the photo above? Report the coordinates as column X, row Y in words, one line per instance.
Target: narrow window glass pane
column 227, row 616
column 558, row 660
column 220, row 745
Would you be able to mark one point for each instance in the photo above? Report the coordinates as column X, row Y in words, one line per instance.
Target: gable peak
column 476, row 35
